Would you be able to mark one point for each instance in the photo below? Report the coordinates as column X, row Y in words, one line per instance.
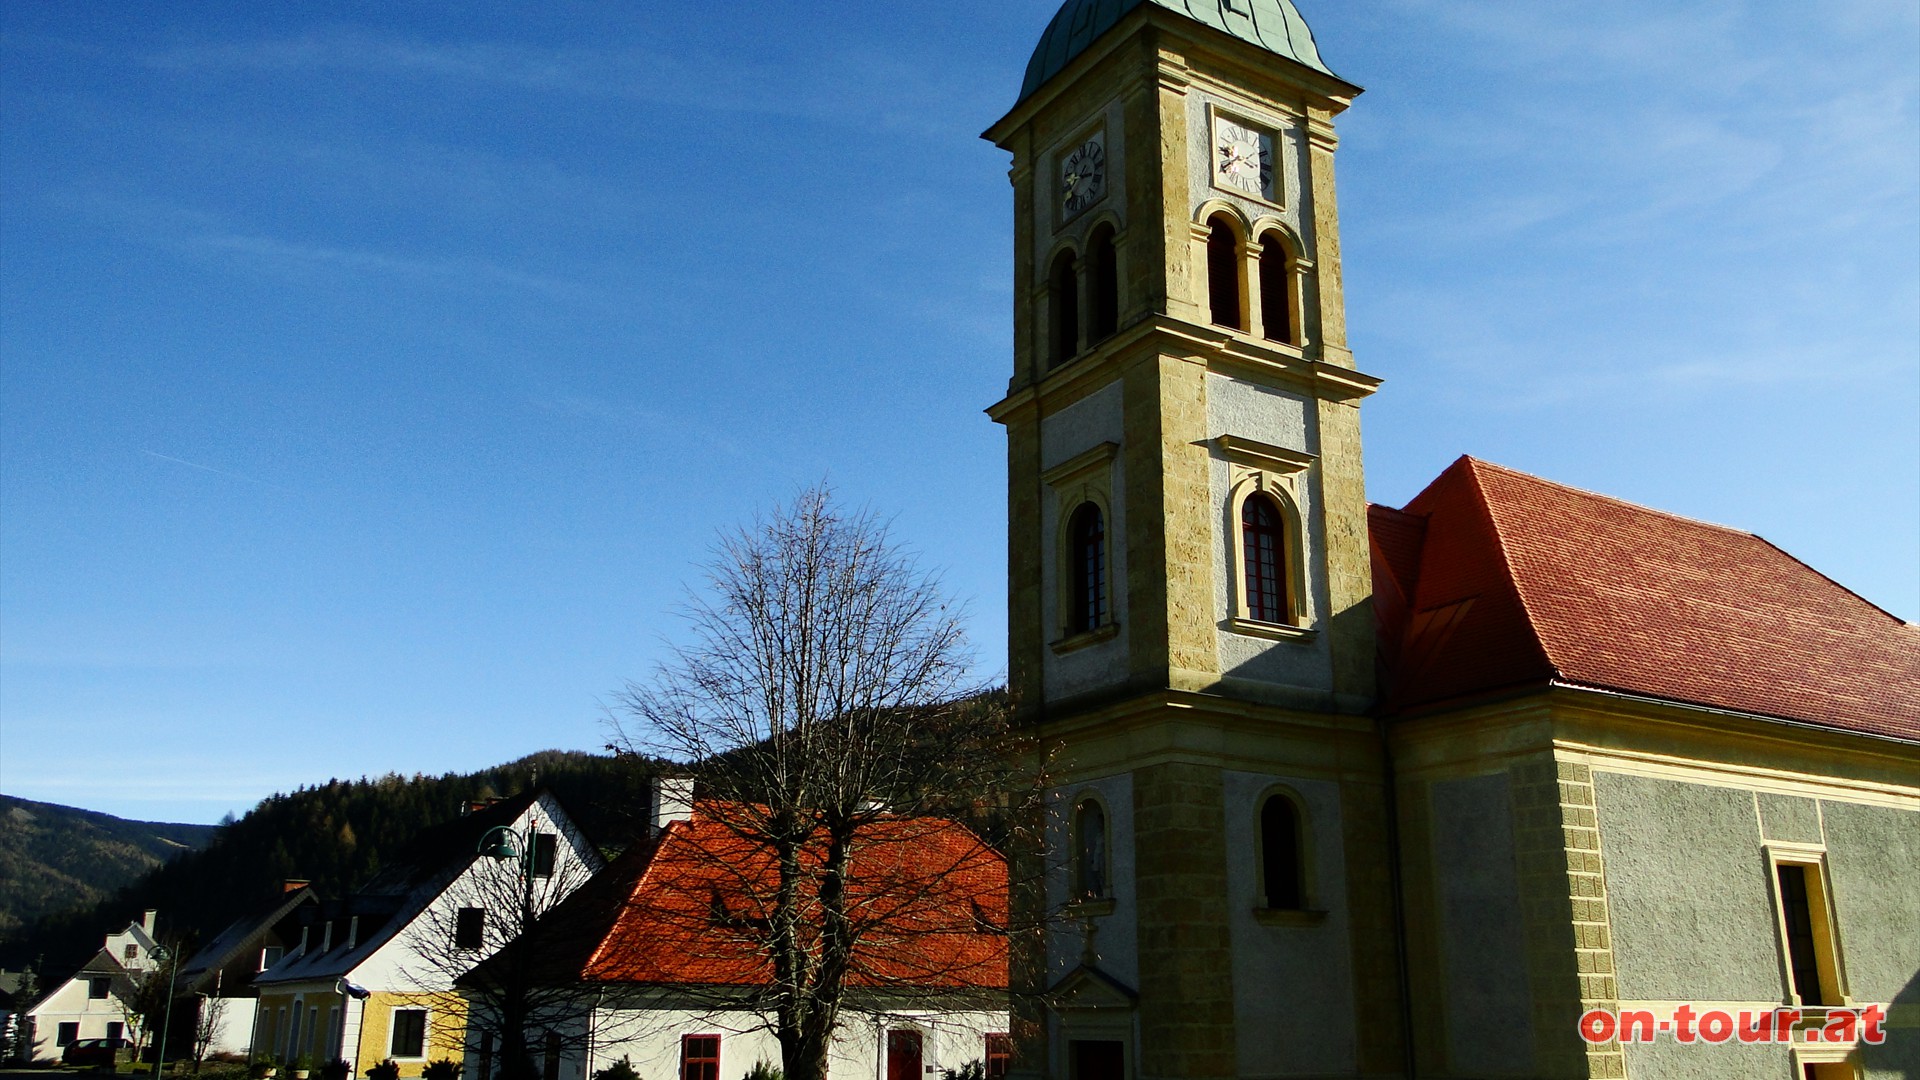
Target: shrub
column 764, row 1070
column 443, row 1069
column 619, row 1070
column 337, row 1069
column 386, row 1070
column 972, row 1070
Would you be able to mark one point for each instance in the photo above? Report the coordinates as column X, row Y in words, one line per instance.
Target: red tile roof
column 690, row 908
column 1518, row 582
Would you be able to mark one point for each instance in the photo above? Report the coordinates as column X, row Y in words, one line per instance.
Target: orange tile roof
column 1519, row 581
column 926, row 894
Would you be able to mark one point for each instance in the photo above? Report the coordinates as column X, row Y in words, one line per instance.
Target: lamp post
column 501, row 844
column 163, row 955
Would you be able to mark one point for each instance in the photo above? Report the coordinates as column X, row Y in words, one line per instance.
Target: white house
column 370, row 977
column 90, row 1004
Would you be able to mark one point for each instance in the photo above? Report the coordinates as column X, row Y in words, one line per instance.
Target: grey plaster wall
column 1292, row 985
column 1116, row 941
column 1094, row 419
column 1668, row 1060
column 1489, row 1008
column 1873, row 860
column 1688, row 891
column 1279, row 418
column 1789, row 818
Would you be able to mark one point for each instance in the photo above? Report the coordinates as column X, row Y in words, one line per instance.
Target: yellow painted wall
column 446, row 1029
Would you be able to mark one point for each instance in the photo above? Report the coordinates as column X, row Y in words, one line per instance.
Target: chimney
column 293, row 884
column 147, row 919
column 672, row 801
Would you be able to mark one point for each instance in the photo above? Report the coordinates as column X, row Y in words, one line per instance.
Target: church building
column 1341, row 790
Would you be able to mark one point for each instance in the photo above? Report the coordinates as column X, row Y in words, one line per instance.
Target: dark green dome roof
column 1274, row 25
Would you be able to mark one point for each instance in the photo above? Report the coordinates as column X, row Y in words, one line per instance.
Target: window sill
column 1271, row 631
column 1089, row 909
column 1288, row 917
column 1086, row 638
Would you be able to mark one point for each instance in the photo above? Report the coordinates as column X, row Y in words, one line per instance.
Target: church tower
column 1189, row 611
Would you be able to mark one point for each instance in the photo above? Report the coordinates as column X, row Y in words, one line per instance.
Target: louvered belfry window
column 1088, row 537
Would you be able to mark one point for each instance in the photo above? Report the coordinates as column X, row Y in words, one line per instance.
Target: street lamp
column 163, row 955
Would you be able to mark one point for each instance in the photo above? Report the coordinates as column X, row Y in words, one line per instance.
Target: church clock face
column 1083, row 175
column 1243, row 159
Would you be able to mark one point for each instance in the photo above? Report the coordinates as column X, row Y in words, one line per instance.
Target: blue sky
column 372, row 376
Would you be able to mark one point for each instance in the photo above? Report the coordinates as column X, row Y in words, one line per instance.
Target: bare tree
column 825, row 698
column 210, row 1013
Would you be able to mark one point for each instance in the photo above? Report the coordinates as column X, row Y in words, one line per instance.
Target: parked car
column 99, row 1053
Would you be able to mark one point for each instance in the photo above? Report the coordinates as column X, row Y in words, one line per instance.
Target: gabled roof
column 685, row 910
column 1520, row 582
column 388, row 903
column 243, row 937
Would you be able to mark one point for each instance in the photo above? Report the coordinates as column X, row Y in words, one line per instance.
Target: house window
column 999, row 1055
column 409, row 1033
column 294, row 1033
column 1807, row 932
column 1063, row 308
column 130, row 953
column 1280, row 863
column 1096, row 1059
column 98, row 987
column 550, row 1066
column 484, row 1051
column 1276, row 290
column 115, row 1029
column 1223, row 273
column 700, row 1057
column 546, row 851
column 1087, row 547
column 66, row 1033
column 1104, row 267
column 271, row 955
column 903, row 1054
column 1263, row 546
column 469, row 928
column 1090, row 850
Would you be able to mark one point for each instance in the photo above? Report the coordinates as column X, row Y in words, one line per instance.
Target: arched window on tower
column 1090, row 851
column 1223, row 272
column 1063, row 309
column 1104, row 267
column 1087, row 563
column 1282, row 881
column 1276, row 290
column 1263, row 543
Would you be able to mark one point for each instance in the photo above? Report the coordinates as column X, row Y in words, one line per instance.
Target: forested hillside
column 336, row 835
column 55, row 857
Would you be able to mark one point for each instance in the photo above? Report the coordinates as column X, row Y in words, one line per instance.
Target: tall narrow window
column 485, row 1053
column 1276, row 290
column 470, row 928
column 550, row 1067
column 546, row 851
column 1090, row 850
column 1280, row 854
column 1087, row 537
column 1096, row 1059
column 1104, row 266
column 700, row 1057
column 1802, row 909
column 1063, row 308
column 1223, row 272
column 1264, row 547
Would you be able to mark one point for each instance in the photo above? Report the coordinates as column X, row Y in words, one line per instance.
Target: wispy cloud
column 217, row 472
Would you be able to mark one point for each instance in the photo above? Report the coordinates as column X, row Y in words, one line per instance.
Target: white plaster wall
column 1292, row 985
column 1116, row 942
column 1074, row 430
column 1279, row 418
column 70, row 1004
column 650, row 1039
column 234, row 1035
column 1289, row 152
